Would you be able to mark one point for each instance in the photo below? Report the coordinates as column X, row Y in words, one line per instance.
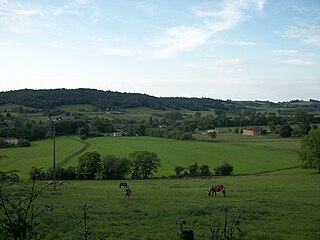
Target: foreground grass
column 281, row 205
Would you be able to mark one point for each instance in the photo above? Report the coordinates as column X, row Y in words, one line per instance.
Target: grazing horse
column 128, row 192
column 216, row 188
column 123, row 184
column 127, row 188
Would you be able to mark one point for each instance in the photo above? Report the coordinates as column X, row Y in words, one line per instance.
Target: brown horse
column 127, row 189
column 216, row 188
column 128, row 192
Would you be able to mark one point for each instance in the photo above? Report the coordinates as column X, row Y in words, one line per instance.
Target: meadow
column 248, row 155
column 279, row 205
column 273, row 198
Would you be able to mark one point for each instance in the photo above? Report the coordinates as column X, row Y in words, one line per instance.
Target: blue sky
column 235, row 49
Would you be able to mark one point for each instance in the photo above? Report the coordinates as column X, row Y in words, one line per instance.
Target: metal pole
column 54, row 155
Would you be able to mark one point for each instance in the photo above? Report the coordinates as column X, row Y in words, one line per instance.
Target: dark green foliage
column 19, row 211
column 178, row 170
column 144, row 163
column 115, row 167
column 225, row 169
column 23, row 143
column 194, row 169
column 204, row 170
column 310, row 150
column 173, row 116
column 89, row 166
column 285, row 131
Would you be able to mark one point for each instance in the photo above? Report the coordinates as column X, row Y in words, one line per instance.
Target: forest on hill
column 51, row 98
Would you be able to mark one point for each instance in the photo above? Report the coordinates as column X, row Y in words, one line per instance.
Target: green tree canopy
column 310, row 150
column 89, row 165
column 285, row 130
column 115, row 167
column 144, row 163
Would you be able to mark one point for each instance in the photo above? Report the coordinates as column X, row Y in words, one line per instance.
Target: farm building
column 252, row 131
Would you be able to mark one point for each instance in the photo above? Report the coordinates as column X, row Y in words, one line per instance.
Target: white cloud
column 307, row 33
column 177, row 39
column 233, row 42
column 286, row 51
column 185, row 38
column 298, row 62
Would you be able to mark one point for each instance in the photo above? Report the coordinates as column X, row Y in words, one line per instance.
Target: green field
column 281, row 205
column 254, row 155
column 272, row 203
column 40, row 154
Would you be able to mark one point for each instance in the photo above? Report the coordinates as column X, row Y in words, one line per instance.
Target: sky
column 221, row 49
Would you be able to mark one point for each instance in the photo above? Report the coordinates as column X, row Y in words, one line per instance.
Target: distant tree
column 225, row 169
column 173, row 116
column 197, row 115
column 204, row 170
column 89, row 165
column 178, row 170
column 83, row 137
column 285, row 131
column 212, row 134
column 194, row 169
column 23, row 143
column 144, row 164
column 115, row 167
column 310, row 150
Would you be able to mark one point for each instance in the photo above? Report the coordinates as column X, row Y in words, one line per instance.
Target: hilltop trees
column 310, row 150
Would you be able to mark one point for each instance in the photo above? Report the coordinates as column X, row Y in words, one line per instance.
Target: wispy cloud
column 185, row 38
column 226, row 67
column 177, row 39
column 21, row 17
column 233, row 42
column 308, row 33
column 113, row 47
column 286, row 51
column 298, row 62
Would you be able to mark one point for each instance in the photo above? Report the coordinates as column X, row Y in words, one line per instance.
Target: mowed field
column 248, row 156
column 280, row 205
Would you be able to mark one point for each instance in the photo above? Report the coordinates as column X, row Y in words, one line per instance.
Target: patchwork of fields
column 248, row 156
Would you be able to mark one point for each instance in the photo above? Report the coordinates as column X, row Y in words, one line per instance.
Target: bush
column 204, row 170
column 23, row 143
column 225, row 169
column 178, row 170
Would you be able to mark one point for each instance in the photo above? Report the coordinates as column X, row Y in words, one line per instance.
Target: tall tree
column 144, row 164
column 89, row 165
column 310, row 150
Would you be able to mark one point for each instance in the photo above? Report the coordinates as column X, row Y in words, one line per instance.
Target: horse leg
column 224, row 193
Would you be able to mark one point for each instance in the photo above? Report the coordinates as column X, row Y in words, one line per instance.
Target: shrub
column 204, row 170
column 178, row 170
column 225, row 169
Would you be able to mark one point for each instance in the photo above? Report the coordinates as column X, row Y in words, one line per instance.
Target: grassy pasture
column 40, row 154
column 248, row 157
column 280, row 205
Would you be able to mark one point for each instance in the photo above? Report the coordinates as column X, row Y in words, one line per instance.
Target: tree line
column 91, row 165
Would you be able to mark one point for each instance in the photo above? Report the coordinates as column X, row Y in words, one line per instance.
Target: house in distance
column 254, row 130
